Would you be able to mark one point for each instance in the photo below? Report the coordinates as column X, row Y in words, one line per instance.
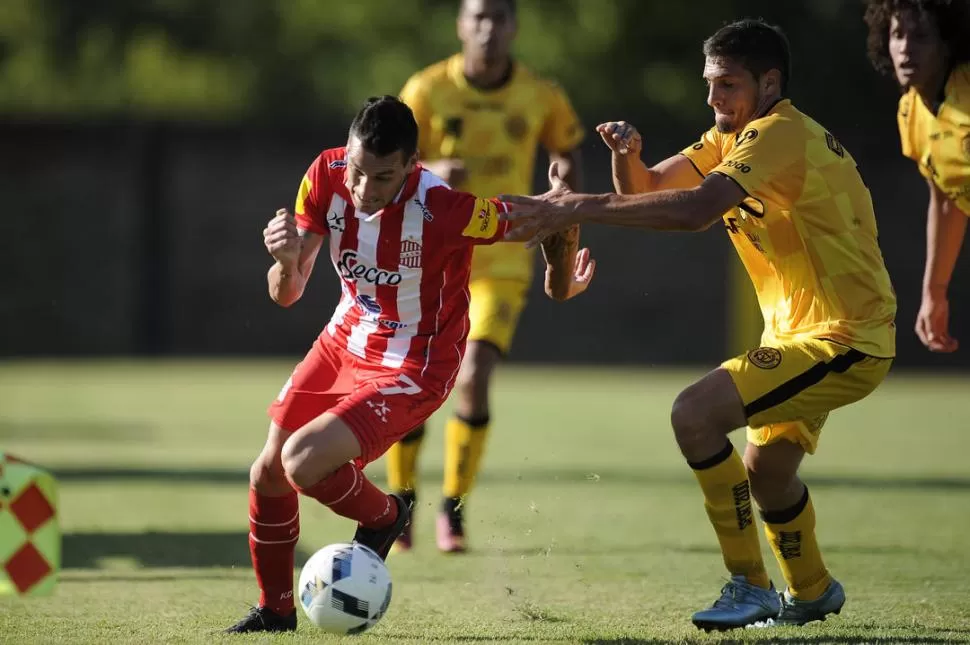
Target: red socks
column 348, row 492
column 274, row 528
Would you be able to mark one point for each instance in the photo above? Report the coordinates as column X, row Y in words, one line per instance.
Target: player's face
column 374, row 181
column 915, row 47
column 735, row 94
column 486, row 28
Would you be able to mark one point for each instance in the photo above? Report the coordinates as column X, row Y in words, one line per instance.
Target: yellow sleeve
column 562, row 130
column 415, row 95
column 904, row 116
column 763, row 153
column 705, row 155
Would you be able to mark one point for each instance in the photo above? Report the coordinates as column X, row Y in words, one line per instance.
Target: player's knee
column 472, row 386
column 298, row 465
column 767, row 477
column 686, row 417
column 268, row 478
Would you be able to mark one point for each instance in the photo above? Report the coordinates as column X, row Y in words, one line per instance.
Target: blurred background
column 146, row 143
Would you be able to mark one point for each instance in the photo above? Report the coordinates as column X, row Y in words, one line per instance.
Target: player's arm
column 294, row 241
column 295, row 250
column 567, row 270
column 693, row 209
column 946, row 226
column 631, row 175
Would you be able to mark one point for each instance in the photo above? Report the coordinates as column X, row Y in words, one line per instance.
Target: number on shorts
column 410, row 387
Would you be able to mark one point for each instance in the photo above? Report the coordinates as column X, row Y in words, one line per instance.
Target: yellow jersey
column 939, row 142
column 806, row 232
column 495, row 133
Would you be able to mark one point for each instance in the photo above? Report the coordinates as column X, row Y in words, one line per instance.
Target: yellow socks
column 791, row 534
column 464, row 445
column 727, row 498
column 402, row 459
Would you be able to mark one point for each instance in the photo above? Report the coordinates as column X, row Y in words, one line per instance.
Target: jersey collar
column 456, row 72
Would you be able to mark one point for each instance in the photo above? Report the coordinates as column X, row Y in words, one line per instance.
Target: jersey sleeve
column 705, row 155
column 469, row 220
column 309, row 197
column 904, row 114
column 762, row 153
column 415, row 96
column 562, row 130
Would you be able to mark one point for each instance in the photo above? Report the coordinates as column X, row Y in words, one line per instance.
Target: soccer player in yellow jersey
column 481, row 116
column 802, row 221
column 926, row 45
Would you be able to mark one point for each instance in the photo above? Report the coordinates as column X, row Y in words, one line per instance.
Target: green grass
column 586, row 525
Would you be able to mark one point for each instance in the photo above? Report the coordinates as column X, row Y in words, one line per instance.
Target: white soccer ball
column 345, row 588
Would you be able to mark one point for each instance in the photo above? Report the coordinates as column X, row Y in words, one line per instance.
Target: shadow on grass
column 780, row 636
column 629, row 549
column 499, row 476
column 159, row 549
column 774, row 637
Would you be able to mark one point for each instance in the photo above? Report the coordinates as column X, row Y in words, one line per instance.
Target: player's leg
column 772, row 461
column 315, row 385
column 703, row 416
column 274, row 528
column 402, row 466
column 325, row 458
column 788, row 392
column 320, row 462
column 494, row 313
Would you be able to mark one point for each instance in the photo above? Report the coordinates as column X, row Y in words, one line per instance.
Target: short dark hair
column 755, row 44
column 510, row 3
column 952, row 18
column 385, row 125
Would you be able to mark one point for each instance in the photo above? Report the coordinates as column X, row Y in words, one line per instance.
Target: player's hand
column 932, row 324
column 621, row 137
column 533, row 219
column 453, row 171
column 582, row 272
column 282, row 239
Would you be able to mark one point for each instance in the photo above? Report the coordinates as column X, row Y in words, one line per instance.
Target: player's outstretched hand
column 932, row 325
column 282, row 239
column 532, row 219
column 621, row 137
column 583, row 272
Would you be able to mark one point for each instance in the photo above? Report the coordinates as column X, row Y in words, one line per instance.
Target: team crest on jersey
column 338, row 163
column 410, row 254
column 965, row 144
column 767, row 358
column 516, row 127
column 743, row 137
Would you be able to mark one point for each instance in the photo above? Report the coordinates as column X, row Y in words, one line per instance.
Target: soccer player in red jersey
column 401, row 242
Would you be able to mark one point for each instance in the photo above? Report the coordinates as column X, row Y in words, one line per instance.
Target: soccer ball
column 345, row 588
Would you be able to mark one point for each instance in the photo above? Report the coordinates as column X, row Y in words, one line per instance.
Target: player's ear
column 410, row 163
column 771, row 81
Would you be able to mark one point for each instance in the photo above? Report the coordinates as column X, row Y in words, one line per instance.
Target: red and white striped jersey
column 404, row 270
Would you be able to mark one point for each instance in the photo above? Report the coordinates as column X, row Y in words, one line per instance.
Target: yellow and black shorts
column 789, row 389
column 494, row 310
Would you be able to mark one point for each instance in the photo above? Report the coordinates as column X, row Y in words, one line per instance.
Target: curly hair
column 952, row 18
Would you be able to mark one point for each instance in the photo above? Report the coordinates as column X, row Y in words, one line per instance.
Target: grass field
column 586, row 525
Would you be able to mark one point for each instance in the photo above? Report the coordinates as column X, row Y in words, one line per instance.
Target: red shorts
column 380, row 404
